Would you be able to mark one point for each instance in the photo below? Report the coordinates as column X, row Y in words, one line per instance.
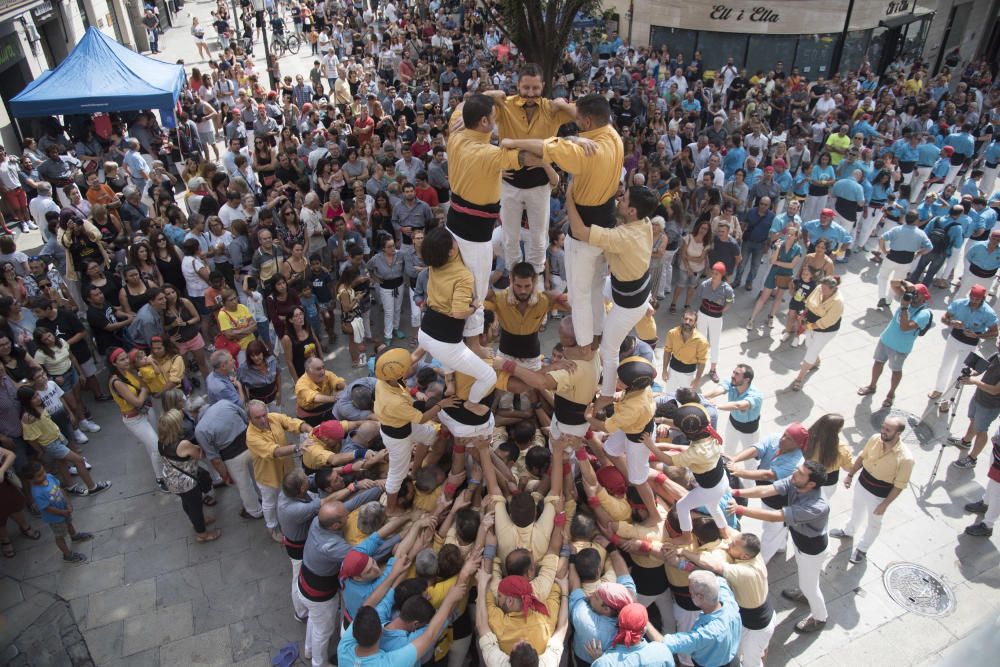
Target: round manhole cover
column 917, row 432
column 917, row 589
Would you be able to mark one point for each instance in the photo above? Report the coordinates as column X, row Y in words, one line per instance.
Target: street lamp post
column 258, row 6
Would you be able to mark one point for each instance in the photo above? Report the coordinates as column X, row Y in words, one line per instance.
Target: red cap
column 977, row 292
column 797, row 432
column 866, row 116
column 827, row 212
column 780, row 163
column 329, row 430
column 769, row 170
column 720, row 267
column 922, row 290
column 947, row 151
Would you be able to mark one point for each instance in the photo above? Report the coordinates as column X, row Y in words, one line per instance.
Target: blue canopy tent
column 101, row 75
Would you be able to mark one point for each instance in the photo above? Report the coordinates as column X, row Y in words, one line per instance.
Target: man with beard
column 527, row 115
column 521, row 311
column 684, row 354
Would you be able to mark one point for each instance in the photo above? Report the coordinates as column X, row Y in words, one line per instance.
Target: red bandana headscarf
column 632, row 621
column 354, row 564
column 614, row 595
column 519, row 587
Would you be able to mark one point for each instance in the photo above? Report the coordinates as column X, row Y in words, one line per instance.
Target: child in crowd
column 251, row 297
column 57, row 512
column 804, row 285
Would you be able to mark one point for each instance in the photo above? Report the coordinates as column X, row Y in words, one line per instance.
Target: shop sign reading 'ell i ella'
column 753, row 14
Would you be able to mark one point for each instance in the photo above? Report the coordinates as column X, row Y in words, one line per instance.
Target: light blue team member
column 945, row 233
column 964, row 146
column 783, row 220
column 970, row 187
column 925, row 210
column 821, row 177
column 878, row 192
column 837, row 238
column 939, row 172
column 775, row 457
column 629, row 647
column 971, row 226
column 911, row 319
column 783, row 179
column 595, row 615
column 906, row 151
column 928, row 154
column 982, row 262
column 991, row 160
column 744, row 403
column 900, row 247
column 848, row 205
column 971, row 320
column 715, row 637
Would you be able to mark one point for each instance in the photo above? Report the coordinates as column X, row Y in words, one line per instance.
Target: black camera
column 975, row 363
column 907, row 297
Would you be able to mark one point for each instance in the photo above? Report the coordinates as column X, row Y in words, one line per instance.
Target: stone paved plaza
column 150, row 595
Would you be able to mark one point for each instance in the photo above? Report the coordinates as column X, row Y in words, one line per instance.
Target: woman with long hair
column 299, row 342
column 182, row 323
column 17, row 363
column 133, row 294
column 55, row 356
column 182, row 475
column 141, row 257
column 381, row 217
column 827, row 446
column 824, row 311
column 785, row 257
column 281, row 300
column 350, row 315
column 821, row 178
column 11, row 284
column 132, row 397
column 167, row 258
column 693, row 259
column 259, row 375
column 296, row 266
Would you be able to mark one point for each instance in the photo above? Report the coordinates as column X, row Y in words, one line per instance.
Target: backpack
column 930, row 325
column 939, row 236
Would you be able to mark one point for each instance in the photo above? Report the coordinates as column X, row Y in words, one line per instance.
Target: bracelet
column 352, row 487
column 458, row 449
column 740, row 510
column 509, row 367
column 661, row 478
column 348, row 469
column 474, row 482
column 564, row 552
column 567, row 467
column 615, row 540
column 645, row 546
column 581, row 454
column 736, row 493
column 450, row 489
column 593, row 501
column 560, row 519
column 611, row 548
column 490, row 551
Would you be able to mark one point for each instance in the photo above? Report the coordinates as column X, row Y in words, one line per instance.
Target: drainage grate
column 917, row 589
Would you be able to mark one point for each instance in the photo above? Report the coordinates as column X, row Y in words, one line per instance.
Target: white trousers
column 535, row 201
column 619, row 323
column 815, row 342
column 711, row 328
column 812, row 206
column 955, row 352
column 415, row 313
column 558, row 429
column 392, row 306
column 458, row 357
column 991, row 496
column 241, row 470
column 401, row 451
column 533, row 364
column 663, row 603
column 702, row 497
column 635, row 453
column 297, row 601
column 952, row 174
column 676, row 380
column 810, row 566
column 773, row 538
column 920, row 176
column 460, row 430
column 143, row 431
column 269, row 505
column 847, row 223
column 478, row 257
column 968, row 280
column 684, row 620
column 829, row 490
column 753, row 644
column 988, row 180
column 955, row 259
column 585, row 270
column 319, row 630
column 667, row 278
column 868, row 224
column 889, row 271
column 863, row 513
column 735, row 441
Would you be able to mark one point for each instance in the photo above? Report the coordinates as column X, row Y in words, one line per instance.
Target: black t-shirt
column 65, row 326
column 738, row 85
column 99, row 319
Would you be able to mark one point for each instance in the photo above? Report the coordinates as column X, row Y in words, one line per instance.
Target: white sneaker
column 25, row 228
column 797, row 341
column 73, row 471
column 31, row 224
column 86, row 464
column 89, row 426
column 785, row 335
column 80, row 437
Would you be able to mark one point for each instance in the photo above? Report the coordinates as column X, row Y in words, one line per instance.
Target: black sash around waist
column 846, row 208
column 525, row 178
column 397, row 432
column 263, row 392
column 467, row 225
column 316, row 587
column 900, row 256
column 832, row 478
column 960, row 336
column 757, row 618
column 444, row 328
column 602, row 215
column 637, row 437
column 711, row 478
column 682, row 596
column 711, row 308
column 957, row 159
column 811, row 546
column 520, row 346
column 392, row 283
column 235, row 448
column 980, row 272
column 569, row 412
column 874, row 485
column 907, row 167
column 293, row 549
column 464, row 416
column 992, row 165
column 818, row 190
column 630, row 293
column 679, row 366
column 744, row 427
column 649, row 581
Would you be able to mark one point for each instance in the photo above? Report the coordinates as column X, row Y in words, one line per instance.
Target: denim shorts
column 69, row 380
column 884, row 353
column 57, row 450
column 982, row 416
column 682, row 279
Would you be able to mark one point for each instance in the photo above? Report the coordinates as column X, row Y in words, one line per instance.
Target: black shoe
column 882, row 303
column 978, row 507
column 793, row 594
column 979, row 530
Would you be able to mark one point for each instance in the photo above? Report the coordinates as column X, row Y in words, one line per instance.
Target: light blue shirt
column 941, row 167
column 927, row 154
column 908, row 238
column 734, row 159
column 894, row 338
column 980, row 255
column 834, row 235
column 955, row 233
column 751, row 395
column 356, row 592
column 221, row 388
column 849, row 189
column 977, row 320
column 404, row 657
column 588, row 624
column 781, row 464
column 992, row 154
column 643, row 654
column 715, row 638
column 963, row 143
column 781, row 221
column 903, row 150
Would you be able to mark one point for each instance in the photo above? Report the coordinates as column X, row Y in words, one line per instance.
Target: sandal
column 887, row 403
column 7, row 549
column 934, row 395
column 796, row 386
column 208, row 537
column 713, row 376
column 867, row 390
column 208, row 500
column 31, row 533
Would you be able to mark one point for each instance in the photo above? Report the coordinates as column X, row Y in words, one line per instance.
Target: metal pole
column 268, row 62
column 838, row 49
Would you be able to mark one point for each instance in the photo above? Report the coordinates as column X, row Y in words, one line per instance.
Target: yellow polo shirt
column 513, row 122
column 450, row 288
column 306, row 390
column 595, row 177
column 694, row 350
column 888, row 465
column 268, row 469
column 474, row 166
column 394, row 405
column 535, row 628
column 627, row 248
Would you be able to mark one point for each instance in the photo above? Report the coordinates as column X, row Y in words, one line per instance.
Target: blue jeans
column 752, row 252
column 927, row 267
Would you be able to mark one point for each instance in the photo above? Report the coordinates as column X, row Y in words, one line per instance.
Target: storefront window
column 814, row 54
column 766, row 50
column 876, row 47
column 717, row 47
column 676, row 40
column 854, row 50
column 916, row 35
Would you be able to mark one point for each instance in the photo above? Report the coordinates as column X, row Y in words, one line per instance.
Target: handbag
column 222, row 342
column 203, row 480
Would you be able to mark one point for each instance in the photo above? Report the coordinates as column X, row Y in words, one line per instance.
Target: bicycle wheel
column 277, row 48
column 293, row 44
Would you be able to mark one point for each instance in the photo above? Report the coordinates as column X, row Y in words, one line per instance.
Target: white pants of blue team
column 846, row 223
column 952, row 174
column 888, row 272
column 684, row 620
column 635, row 453
column 460, row 430
column 709, row 327
column 810, row 567
column 619, row 323
column 392, row 306
column 871, row 218
column 415, row 312
column 699, row 496
column 458, row 357
column 585, row 271
column 956, row 259
column 988, row 180
column 773, row 538
column 535, row 201
column 863, row 514
column 478, row 257
column 297, row 601
column 969, row 279
column 920, row 176
column 401, row 452
column 955, row 352
column 753, row 644
column 319, row 629
column 735, row 441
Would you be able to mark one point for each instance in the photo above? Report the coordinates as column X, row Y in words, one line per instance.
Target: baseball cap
column 947, row 151
column 720, row 267
column 977, row 292
column 827, row 211
column 922, row 290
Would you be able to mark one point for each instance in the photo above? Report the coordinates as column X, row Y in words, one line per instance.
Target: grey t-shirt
column 806, row 515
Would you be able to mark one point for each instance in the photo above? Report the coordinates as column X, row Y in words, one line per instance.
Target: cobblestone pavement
column 150, row 595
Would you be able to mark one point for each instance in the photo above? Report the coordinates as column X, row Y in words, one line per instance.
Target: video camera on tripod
column 976, row 364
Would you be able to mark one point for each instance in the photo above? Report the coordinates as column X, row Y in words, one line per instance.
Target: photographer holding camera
column 984, row 408
column 911, row 320
column 971, row 320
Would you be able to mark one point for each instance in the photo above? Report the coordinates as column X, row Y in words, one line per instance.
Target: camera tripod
column 953, row 395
